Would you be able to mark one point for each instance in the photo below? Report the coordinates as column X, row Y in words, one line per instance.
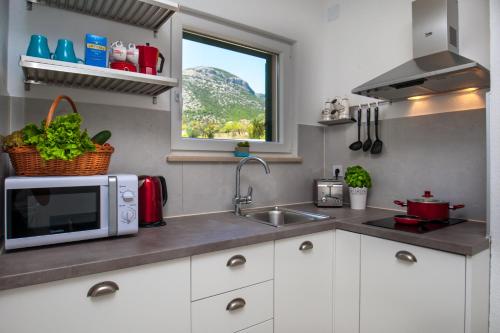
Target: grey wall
column 444, row 153
column 4, row 25
column 4, row 101
column 142, row 141
column 4, row 130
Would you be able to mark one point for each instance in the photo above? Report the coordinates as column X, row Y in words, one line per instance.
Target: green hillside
column 217, row 103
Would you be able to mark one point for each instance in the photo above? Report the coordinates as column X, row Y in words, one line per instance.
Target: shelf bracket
column 29, row 5
column 155, row 100
column 27, row 86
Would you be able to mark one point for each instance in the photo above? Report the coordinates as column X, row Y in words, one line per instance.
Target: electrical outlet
column 341, row 169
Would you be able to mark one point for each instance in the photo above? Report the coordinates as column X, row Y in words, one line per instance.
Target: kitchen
column 436, row 144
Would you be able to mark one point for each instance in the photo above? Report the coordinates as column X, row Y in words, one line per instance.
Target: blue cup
column 65, row 51
column 38, row 47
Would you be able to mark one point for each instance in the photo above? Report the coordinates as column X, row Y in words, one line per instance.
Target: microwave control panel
column 127, row 200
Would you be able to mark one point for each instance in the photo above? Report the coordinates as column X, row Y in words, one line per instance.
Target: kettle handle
column 162, row 62
column 164, row 192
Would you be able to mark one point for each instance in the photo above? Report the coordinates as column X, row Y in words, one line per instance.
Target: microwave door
column 40, row 216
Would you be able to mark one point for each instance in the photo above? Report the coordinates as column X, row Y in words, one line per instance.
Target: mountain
column 217, row 94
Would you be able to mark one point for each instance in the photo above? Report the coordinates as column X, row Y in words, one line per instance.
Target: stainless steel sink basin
column 279, row 216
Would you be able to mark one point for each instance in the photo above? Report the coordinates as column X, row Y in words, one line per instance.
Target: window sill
column 229, row 159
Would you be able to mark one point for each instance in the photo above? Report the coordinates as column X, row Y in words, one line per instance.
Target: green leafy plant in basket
column 15, row 139
column 62, row 139
column 356, row 176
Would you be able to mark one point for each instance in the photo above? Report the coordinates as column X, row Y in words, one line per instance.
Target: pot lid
column 429, row 198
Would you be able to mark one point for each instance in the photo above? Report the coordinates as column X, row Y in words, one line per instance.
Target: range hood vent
column 436, row 66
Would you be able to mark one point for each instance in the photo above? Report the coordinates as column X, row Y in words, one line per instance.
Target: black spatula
column 377, row 145
column 368, row 142
column 358, row 144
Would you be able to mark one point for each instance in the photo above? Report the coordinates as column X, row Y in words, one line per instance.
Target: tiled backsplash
column 445, row 153
column 142, row 141
column 442, row 152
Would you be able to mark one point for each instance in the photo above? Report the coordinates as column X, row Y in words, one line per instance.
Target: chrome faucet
column 247, row 199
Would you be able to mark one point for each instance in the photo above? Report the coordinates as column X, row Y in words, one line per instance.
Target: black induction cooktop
column 420, row 228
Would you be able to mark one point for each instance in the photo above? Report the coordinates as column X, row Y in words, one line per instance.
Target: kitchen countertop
column 191, row 235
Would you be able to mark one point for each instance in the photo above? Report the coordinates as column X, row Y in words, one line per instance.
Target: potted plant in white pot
column 359, row 181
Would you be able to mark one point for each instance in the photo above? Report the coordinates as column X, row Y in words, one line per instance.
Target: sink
column 279, row 216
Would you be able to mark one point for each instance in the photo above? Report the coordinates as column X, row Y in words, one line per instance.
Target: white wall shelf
column 60, row 73
column 337, row 122
column 148, row 14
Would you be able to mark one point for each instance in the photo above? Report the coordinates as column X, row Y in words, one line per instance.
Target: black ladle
column 377, row 145
column 358, row 144
column 368, row 142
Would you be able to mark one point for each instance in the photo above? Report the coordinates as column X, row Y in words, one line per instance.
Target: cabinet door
column 303, row 282
column 151, row 298
column 346, row 281
column 422, row 291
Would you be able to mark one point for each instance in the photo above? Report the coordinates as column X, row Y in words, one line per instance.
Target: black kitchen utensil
column 377, row 145
column 358, row 144
column 368, row 142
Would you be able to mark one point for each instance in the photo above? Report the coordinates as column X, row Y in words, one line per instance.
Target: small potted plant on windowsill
column 242, row 149
column 359, row 181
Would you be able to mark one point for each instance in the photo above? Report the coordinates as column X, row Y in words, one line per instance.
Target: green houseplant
column 359, row 181
column 242, row 149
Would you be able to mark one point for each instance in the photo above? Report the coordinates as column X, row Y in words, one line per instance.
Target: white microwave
column 50, row 210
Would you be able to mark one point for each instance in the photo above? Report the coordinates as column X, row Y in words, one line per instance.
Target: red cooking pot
column 428, row 208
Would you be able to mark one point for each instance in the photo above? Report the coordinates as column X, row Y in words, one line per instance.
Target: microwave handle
column 112, row 206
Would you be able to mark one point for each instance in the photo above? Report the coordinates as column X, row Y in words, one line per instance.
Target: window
column 242, row 54
column 229, row 90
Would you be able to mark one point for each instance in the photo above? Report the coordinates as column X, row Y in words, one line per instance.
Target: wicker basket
column 27, row 161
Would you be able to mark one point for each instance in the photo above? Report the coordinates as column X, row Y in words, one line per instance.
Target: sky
column 247, row 67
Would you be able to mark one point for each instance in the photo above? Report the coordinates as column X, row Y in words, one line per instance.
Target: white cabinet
column 303, row 277
column 235, row 310
column 325, row 282
column 222, row 271
column 422, row 291
column 151, row 298
column 346, row 281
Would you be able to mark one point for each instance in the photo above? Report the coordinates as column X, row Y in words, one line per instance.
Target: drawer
column 266, row 327
column 212, row 314
column 218, row 272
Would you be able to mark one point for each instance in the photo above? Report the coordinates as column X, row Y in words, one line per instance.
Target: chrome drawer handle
column 236, row 260
column 307, row 245
column 103, row 288
column 406, row 256
column 236, row 304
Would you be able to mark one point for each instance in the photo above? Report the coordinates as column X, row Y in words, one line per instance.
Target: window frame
column 224, row 30
column 272, row 60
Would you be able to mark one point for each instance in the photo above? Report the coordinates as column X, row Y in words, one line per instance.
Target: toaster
column 328, row 193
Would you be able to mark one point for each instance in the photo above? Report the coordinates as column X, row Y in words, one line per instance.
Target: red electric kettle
column 152, row 197
column 148, row 59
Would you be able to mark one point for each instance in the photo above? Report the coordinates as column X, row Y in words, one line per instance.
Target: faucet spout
column 238, row 198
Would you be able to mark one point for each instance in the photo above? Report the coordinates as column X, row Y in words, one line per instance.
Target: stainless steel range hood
column 437, row 67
